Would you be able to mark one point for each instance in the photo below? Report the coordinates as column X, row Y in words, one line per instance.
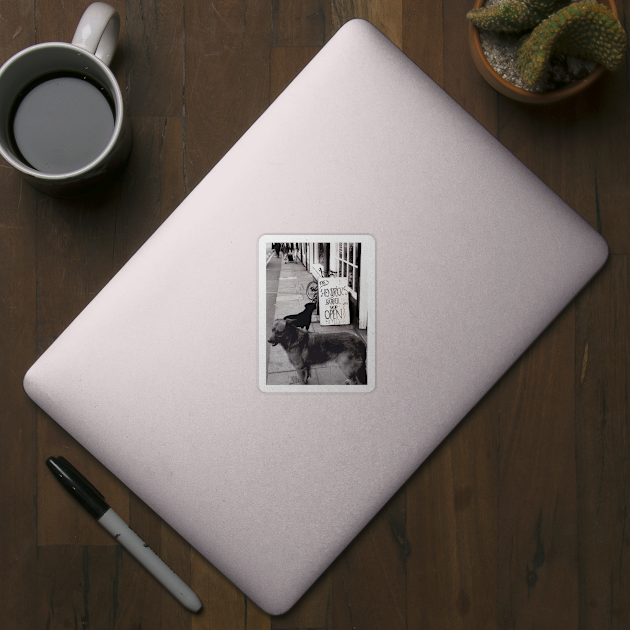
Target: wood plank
column 74, row 248
column 154, row 61
column 313, row 609
column 171, row 157
column 608, row 127
column 557, row 148
column 300, row 22
column 152, row 185
column 537, row 537
column 607, row 120
column 224, row 606
column 461, row 78
column 255, row 618
column 226, row 78
column 423, row 36
column 58, row 22
column 603, row 444
column 17, row 28
column 565, row 147
column 76, row 587
column 285, row 64
column 18, row 420
column 575, row 147
column 18, row 416
column 369, row 577
column 452, row 527
column 386, row 15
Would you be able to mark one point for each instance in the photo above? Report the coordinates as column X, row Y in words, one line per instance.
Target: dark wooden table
column 518, row 520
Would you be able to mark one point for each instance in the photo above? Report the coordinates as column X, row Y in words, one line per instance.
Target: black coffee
column 62, row 123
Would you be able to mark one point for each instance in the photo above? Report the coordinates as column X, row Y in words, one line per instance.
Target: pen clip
column 74, row 471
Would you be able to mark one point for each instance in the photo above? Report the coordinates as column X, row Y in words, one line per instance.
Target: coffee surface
column 62, row 124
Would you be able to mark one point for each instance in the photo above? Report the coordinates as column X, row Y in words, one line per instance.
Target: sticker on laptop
column 316, row 313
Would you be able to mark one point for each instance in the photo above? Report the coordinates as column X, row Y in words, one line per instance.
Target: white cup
column 85, row 60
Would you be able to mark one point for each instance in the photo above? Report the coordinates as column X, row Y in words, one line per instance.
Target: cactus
column 513, row 16
column 583, row 29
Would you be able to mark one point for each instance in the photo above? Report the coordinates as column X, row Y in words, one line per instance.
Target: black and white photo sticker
column 316, row 313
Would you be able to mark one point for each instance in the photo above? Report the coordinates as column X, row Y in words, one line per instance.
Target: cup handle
column 98, row 30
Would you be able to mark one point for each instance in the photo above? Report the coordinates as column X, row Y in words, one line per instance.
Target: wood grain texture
column 300, row 22
column 18, row 416
column 224, row 606
column 537, row 537
column 226, row 78
column 369, row 577
column 518, row 520
column 452, row 527
column 386, row 15
column 18, row 325
column 76, row 587
column 609, row 133
column 151, row 187
column 461, row 79
column 313, row 610
column 576, row 148
column 603, row 445
column 285, row 64
column 154, row 57
column 422, row 36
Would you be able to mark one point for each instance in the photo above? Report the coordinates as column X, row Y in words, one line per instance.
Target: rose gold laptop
column 455, row 258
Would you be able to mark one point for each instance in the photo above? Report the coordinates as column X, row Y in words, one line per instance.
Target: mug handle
column 98, row 30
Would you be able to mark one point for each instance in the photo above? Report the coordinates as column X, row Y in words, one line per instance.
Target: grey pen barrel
column 149, row 559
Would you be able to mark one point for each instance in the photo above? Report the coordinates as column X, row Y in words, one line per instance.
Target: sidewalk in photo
column 291, row 299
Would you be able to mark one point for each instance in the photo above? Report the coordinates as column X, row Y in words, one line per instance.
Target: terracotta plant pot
column 512, row 91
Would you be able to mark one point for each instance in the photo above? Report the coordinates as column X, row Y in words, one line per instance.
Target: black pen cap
column 78, row 486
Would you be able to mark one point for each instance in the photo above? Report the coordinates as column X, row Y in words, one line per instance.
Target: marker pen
column 94, row 502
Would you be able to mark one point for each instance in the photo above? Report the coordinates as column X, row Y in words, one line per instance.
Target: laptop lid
column 466, row 257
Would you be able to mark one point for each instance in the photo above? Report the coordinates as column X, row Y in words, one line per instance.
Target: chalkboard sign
column 334, row 305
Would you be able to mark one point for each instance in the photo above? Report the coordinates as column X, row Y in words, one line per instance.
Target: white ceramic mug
column 103, row 143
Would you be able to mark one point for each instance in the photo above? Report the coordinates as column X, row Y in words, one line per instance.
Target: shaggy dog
column 303, row 319
column 305, row 349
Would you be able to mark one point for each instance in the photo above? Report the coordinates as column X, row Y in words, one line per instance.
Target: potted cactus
column 557, row 48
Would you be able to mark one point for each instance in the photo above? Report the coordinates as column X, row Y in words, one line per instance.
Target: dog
column 306, row 349
column 303, row 319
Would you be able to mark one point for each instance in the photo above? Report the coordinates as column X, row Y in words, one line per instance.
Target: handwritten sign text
column 334, row 306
